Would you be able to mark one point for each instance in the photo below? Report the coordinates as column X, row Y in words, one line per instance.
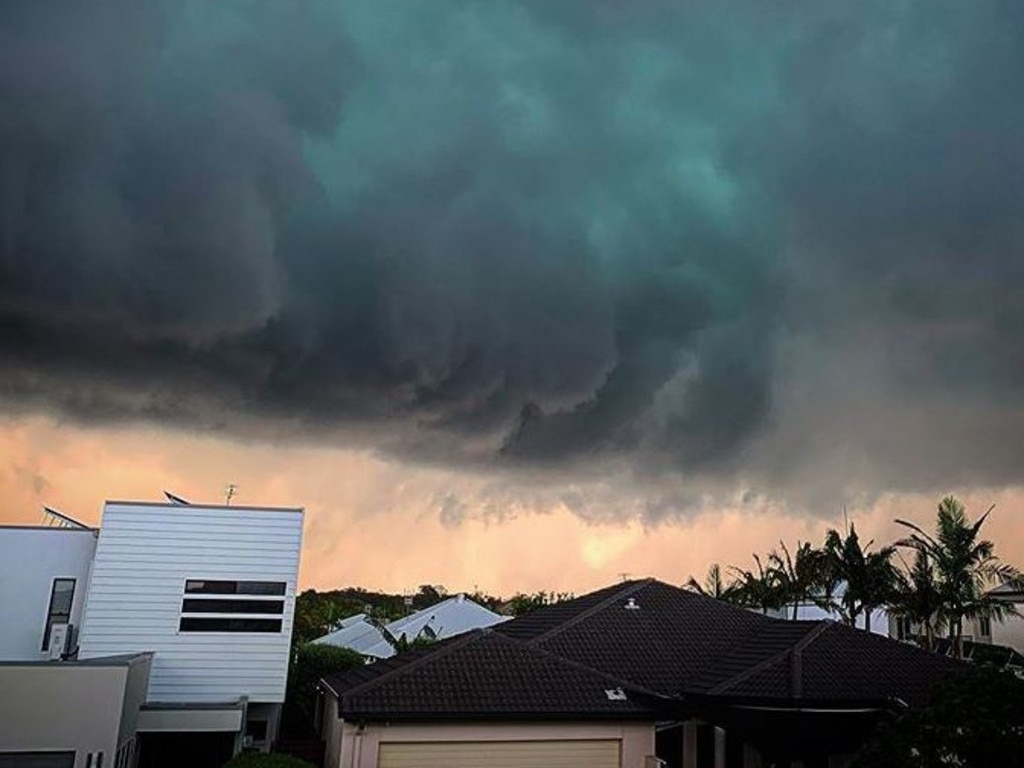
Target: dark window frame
column 227, row 605
column 230, row 625
column 65, row 756
column 52, row 615
column 235, row 587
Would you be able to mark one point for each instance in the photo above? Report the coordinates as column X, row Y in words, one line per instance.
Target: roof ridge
column 629, row 589
column 457, row 642
column 771, row 661
column 796, row 660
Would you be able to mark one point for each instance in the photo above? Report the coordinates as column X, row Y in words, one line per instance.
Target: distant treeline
column 317, row 613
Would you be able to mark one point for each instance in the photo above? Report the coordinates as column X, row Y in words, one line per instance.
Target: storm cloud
column 769, row 245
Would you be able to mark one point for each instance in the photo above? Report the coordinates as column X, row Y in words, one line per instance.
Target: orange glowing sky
column 375, row 522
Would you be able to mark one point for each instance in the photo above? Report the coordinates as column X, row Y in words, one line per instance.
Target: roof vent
column 631, row 605
column 615, row 694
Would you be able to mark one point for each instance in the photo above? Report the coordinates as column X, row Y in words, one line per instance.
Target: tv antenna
column 230, row 492
column 624, row 575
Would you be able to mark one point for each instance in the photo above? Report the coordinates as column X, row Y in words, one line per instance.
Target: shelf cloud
column 777, row 246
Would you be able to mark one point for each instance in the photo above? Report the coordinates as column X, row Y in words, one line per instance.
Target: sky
column 515, row 295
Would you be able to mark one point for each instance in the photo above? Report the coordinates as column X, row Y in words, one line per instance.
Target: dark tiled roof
column 551, row 617
column 836, row 663
column 846, row 663
column 666, row 643
column 643, row 636
column 758, row 648
column 481, row 675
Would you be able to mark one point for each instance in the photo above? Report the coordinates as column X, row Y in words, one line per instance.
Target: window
column 37, row 759
column 985, row 627
column 195, row 586
column 232, row 606
column 62, row 595
column 229, row 625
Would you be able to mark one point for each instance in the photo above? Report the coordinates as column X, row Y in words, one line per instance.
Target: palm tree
column 714, row 585
column 801, row 576
column 759, row 590
column 869, row 577
column 966, row 568
column 918, row 597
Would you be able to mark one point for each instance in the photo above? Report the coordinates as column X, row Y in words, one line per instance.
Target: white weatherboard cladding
column 144, row 556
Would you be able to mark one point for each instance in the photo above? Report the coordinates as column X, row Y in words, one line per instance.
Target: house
column 976, row 631
column 176, row 618
column 635, row 675
column 447, row 618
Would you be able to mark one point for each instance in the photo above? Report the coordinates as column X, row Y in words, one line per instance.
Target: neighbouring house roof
column 983, row 653
column 833, row 662
column 678, row 642
column 1012, row 592
column 660, row 644
column 447, row 618
column 357, row 633
column 481, row 675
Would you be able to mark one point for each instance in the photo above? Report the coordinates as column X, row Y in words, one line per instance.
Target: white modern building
column 177, row 618
column 448, row 618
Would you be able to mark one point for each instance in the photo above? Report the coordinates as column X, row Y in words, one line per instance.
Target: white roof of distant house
column 445, row 619
column 358, row 634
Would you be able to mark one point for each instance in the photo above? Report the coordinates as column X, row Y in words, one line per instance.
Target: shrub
column 310, row 663
column 975, row 721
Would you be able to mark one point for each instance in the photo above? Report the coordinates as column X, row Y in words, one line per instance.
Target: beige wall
column 136, row 687
column 349, row 746
column 62, row 707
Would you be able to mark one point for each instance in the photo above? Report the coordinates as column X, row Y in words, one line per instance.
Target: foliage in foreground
column 262, row 760
column 976, row 721
column 309, row 664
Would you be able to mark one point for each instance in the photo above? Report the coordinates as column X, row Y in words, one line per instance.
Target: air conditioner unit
column 60, row 641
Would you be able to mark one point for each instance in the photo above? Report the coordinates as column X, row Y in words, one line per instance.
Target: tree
column 402, row 642
column 522, row 603
column 966, row 568
column 428, row 595
column 309, row 663
column 714, row 585
column 800, row 577
column 758, row 589
column 917, row 597
column 976, row 720
column 869, row 578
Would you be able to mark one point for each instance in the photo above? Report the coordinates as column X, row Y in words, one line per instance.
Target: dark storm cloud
column 527, row 233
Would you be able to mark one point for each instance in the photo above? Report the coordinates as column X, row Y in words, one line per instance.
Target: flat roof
column 120, row 660
column 63, row 528
column 197, row 505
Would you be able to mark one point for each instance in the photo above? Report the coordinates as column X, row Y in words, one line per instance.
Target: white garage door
column 501, row 754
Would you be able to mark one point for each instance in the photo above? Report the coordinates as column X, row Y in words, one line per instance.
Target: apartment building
column 172, row 621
